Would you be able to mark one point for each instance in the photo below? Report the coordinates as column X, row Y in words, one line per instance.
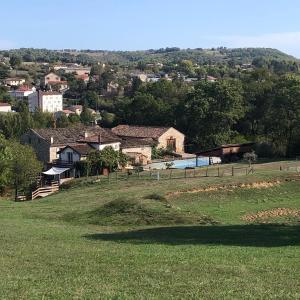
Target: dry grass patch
column 267, row 215
column 230, row 187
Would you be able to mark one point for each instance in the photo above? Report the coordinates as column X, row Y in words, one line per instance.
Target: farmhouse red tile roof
column 67, row 136
column 4, row 104
column 104, row 136
column 67, row 111
column 139, row 131
column 24, row 88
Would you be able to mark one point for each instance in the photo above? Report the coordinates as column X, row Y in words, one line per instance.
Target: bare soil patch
column 229, row 187
column 271, row 214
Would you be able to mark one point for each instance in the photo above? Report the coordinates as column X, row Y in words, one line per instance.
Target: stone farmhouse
column 48, row 142
column 165, row 137
column 68, row 145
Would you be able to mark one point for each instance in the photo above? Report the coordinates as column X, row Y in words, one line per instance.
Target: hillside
column 119, row 240
column 164, row 55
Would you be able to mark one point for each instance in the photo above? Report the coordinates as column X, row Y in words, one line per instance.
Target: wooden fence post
column 170, row 174
column 184, row 173
column 206, row 172
column 232, row 171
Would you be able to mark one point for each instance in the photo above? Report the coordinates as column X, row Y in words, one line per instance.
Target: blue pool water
column 182, row 163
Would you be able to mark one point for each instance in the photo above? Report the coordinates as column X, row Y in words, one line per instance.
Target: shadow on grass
column 270, row 235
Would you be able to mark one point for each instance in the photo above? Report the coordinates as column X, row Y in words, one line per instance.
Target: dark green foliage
column 18, row 165
column 15, row 61
column 210, row 111
column 86, row 116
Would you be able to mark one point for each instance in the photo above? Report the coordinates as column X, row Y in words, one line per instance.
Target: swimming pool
column 181, row 163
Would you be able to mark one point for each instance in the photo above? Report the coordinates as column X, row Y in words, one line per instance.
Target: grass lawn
column 167, row 239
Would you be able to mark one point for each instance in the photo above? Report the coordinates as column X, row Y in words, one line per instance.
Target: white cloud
column 288, row 42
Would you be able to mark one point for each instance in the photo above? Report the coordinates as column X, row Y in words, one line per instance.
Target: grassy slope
column 43, row 255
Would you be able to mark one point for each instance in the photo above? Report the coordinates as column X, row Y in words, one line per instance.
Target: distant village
column 60, row 148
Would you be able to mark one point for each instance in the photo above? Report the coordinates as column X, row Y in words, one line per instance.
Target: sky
column 145, row 24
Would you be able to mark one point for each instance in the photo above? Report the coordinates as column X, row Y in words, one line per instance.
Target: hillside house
column 77, row 109
column 229, row 152
column 139, row 151
column 49, row 101
column 64, row 112
column 84, row 77
column 54, row 81
column 5, row 107
column 78, row 70
column 48, row 142
column 75, row 153
column 14, row 81
column 21, row 92
column 164, row 137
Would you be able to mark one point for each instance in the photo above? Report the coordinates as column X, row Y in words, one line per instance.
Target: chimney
column 51, row 140
column 86, row 134
column 99, row 138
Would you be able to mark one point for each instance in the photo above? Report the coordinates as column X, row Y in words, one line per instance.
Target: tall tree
column 209, row 113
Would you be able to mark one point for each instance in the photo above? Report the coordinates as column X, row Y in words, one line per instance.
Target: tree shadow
column 270, row 235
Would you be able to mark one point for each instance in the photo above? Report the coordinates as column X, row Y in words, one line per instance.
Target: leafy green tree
column 24, row 166
column 106, row 158
column 187, row 67
column 74, row 118
column 4, row 72
column 5, row 162
column 15, row 61
column 91, row 98
column 86, row 116
column 63, row 121
column 42, row 119
column 283, row 117
column 209, row 113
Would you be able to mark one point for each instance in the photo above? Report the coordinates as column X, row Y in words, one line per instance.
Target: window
column 70, row 157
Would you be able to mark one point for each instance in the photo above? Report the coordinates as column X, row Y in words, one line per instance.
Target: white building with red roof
column 22, row 91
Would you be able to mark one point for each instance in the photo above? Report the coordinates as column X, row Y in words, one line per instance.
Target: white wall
column 52, row 103
column 5, row 108
column 48, row 103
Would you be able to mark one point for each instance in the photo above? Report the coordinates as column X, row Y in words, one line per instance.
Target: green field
column 167, row 239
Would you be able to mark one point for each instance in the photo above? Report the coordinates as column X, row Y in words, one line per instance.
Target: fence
column 45, row 191
column 171, row 174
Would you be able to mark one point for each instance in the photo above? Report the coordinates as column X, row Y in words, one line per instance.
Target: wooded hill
column 163, row 55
